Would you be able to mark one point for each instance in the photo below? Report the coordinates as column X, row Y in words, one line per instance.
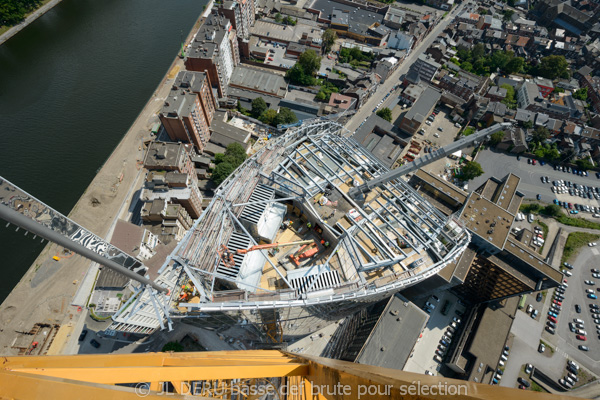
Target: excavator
column 226, row 255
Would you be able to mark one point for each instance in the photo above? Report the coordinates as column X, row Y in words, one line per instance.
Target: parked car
column 541, row 348
column 83, row 334
column 528, row 368
column 94, row 343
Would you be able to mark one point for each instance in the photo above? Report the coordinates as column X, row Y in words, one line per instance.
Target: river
column 71, row 85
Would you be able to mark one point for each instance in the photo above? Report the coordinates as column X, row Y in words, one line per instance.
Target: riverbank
column 28, row 20
column 45, row 292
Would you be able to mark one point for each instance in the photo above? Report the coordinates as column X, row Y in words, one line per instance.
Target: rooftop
column 258, row 80
column 420, row 110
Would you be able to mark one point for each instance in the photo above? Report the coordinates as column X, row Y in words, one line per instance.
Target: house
column 513, row 141
column 545, row 86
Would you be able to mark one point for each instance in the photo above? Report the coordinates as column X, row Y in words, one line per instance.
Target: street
column 366, row 109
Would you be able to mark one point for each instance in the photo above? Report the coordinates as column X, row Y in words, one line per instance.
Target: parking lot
column 440, row 133
column 499, row 164
column 277, row 55
column 575, row 294
column 421, row 359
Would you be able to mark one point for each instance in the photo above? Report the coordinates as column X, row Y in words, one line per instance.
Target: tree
column 221, row 172
column 329, row 37
column 496, row 138
column 278, row 17
column 235, row 154
column 309, row 61
column 173, row 346
column 285, row 116
column 385, row 113
column 581, row 94
column 553, row 67
column 584, row 164
column 471, row 170
column 552, row 210
column 477, row 51
column 259, row 106
column 467, row 66
column 507, row 14
column 527, row 124
column 515, row 65
column 268, row 117
column 540, row 134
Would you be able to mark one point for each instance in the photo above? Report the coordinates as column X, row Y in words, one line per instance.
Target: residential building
column 184, row 119
column 163, row 156
column 199, row 83
column 168, row 221
column 134, row 240
column 215, row 51
column 592, row 83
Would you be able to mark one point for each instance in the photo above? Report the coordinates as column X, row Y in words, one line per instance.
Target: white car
column 428, row 122
column 592, row 244
column 567, row 273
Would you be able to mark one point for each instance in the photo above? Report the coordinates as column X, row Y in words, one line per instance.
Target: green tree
column 329, row 37
column 278, row 17
column 259, row 106
column 515, row 65
column 581, row 94
column 477, row 51
column 553, row 67
column 527, row 124
column 173, row 346
column 235, row 154
column 467, row 66
column 540, row 134
column 322, row 96
column 268, row 117
column 552, row 210
column 385, row 113
column 285, row 116
column 496, row 138
column 309, row 61
column 471, row 170
column 221, row 172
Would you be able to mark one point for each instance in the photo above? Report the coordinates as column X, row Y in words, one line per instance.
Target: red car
column 551, row 318
column 570, row 206
column 558, row 303
column 581, row 337
column 534, row 162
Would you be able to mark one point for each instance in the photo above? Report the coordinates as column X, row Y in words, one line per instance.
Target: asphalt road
column 367, row 109
column 499, row 164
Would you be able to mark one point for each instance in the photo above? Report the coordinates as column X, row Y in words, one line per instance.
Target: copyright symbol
column 142, row 389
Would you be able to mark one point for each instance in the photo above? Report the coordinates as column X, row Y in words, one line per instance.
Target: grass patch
column 537, row 388
column 575, row 240
column 547, row 346
column 578, row 222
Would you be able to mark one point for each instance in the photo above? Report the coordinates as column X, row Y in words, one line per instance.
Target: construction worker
column 309, row 225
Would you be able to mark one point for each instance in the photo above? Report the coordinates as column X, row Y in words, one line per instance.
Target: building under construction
column 285, row 248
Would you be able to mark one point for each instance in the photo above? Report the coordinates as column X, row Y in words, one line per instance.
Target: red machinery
column 227, row 256
column 306, row 251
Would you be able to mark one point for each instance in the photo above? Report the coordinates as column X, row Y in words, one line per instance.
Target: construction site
column 283, row 247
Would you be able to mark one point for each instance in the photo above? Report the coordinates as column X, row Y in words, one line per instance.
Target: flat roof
column 486, row 219
column 224, row 134
column 443, row 186
column 258, row 80
column 161, row 155
column 394, row 336
column 358, row 19
column 516, row 248
column 424, row 104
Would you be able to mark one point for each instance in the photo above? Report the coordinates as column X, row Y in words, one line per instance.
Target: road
column 367, row 109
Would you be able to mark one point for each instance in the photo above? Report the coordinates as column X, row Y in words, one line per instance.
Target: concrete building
column 418, row 113
column 215, row 51
column 545, row 86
